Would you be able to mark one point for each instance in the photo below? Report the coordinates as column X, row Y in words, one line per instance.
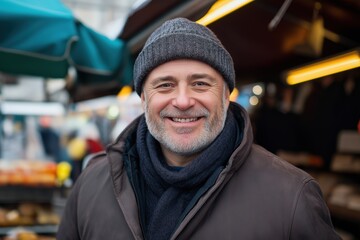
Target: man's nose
column 183, row 99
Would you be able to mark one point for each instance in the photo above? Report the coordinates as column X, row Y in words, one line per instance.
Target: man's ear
column 142, row 96
column 227, row 94
column 227, row 97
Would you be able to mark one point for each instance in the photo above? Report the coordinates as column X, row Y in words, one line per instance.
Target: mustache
column 202, row 112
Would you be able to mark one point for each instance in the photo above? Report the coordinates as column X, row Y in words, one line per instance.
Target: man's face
column 185, row 103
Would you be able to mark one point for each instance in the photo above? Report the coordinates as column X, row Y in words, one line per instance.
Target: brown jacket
column 257, row 196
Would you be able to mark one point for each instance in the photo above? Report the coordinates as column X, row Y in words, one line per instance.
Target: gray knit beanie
column 181, row 38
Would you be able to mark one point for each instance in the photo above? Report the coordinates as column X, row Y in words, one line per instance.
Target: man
column 188, row 168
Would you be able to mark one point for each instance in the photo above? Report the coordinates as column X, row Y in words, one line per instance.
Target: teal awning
column 43, row 38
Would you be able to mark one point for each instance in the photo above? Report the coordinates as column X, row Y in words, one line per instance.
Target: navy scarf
column 169, row 190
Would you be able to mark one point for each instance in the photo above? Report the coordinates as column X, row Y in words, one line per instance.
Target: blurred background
column 66, row 92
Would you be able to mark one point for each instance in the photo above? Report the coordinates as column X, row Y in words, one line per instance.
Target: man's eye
column 165, row 85
column 201, row 84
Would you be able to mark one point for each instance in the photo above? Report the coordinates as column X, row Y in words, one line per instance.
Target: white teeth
column 184, row 120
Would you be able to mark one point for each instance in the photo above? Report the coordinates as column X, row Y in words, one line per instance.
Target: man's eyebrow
column 201, row 76
column 161, row 79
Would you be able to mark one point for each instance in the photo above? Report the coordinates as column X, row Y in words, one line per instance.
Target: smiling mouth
column 184, row 120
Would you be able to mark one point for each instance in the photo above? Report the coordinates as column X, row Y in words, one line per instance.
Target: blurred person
column 50, row 138
column 188, row 168
column 83, row 144
column 77, row 151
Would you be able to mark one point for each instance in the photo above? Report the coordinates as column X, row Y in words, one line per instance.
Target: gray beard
column 211, row 131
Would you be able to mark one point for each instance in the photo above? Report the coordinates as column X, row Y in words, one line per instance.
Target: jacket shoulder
column 273, row 164
column 92, row 158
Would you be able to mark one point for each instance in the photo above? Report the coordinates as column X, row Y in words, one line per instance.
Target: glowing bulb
column 220, row 9
column 124, row 92
column 257, row 90
column 253, row 100
column 113, row 112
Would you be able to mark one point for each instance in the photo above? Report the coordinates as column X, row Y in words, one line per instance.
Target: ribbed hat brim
column 183, row 45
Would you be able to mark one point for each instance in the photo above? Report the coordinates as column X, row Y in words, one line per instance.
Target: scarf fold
column 169, row 190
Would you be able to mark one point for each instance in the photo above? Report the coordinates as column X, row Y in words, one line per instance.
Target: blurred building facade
column 104, row 16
